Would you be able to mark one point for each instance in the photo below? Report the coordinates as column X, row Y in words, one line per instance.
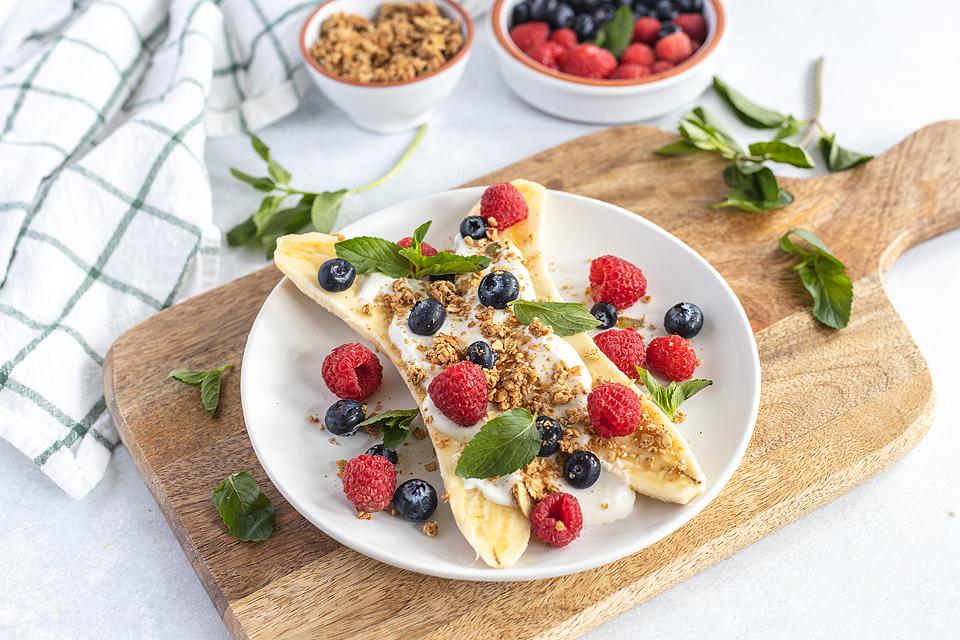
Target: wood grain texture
column 836, row 406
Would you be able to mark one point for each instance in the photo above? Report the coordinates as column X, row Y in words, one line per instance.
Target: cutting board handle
column 897, row 200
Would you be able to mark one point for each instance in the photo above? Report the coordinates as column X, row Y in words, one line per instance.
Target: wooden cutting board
column 836, row 408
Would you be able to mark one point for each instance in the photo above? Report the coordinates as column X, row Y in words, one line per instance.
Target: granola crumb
column 604, row 506
column 679, row 417
column 333, row 440
column 415, row 373
column 420, row 433
column 363, row 515
column 312, row 419
column 341, row 467
column 646, row 298
column 559, row 526
column 431, row 529
column 445, row 497
column 430, row 466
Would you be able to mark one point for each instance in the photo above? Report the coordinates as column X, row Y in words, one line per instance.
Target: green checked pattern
column 105, row 207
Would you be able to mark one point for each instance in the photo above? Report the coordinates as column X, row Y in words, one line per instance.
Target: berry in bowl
column 387, row 65
column 607, row 62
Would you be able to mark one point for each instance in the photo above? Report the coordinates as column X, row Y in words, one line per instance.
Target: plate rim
column 524, row 574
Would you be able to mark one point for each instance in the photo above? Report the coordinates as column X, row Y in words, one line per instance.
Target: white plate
column 281, row 385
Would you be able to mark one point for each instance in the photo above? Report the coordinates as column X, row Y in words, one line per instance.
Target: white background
column 882, row 561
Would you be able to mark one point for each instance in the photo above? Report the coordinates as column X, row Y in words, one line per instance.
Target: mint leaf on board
column 616, row 33
column 566, row 318
column 503, row 445
column 839, row 159
column 326, row 209
column 244, row 508
column 782, row 152
column 753, row 187
column 671, row 397
column 699, row 129
column 208, row 381
column 368, row 254
column 261, row 184
column 790, row 127
column 749, row 112
column 824, row 277
column 393, row 424
column 678, row 148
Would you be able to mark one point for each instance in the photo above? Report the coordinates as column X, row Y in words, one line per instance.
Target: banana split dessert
column 545, row 415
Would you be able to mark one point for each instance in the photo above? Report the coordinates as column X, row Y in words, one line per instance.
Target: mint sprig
column 244, row 508
column 566, row 318
column 823, row 275
column 503, row 445
column 369, row 254
column 208, row 381
column 317, row 208
column 839, row 158
column 671, row 397
column 616, row 33
column 394, row 425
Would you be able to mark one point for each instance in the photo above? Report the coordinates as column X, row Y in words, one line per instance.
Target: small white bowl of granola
column 387, row 65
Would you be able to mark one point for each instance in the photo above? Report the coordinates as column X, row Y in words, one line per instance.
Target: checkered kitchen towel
column 105, row 206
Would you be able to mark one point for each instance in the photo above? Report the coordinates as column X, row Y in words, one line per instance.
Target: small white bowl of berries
column 608, row 61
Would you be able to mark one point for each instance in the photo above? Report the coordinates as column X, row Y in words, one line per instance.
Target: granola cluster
column 405, row 41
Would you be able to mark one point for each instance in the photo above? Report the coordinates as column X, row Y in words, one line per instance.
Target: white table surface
column 882, row 561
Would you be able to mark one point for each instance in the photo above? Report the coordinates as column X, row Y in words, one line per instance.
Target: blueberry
column 415, row 500
column 541, row 10
column 690, row 6
column 581, row 469
column 684, row 319
column 584, row 26
column 497, row 289
column 667, row 28
column 665, row 10
column 640, row 11
column 383, row 452
column 426, row 317
column 604, row 12
column 474, row 227
column 606, row 313
column 447, row 277
column 562, row 17
column 343, row 418
column 336, row 274
column 550, row 434
column 520, row 14
column 623, row 3
column 480, row 353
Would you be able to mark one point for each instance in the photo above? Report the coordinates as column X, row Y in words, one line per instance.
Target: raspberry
column 625, row 349
column 662, row 65
column 504, row 203
column 675, row 47
column 528, row 35
column 695, row 45
column 693, row 24
column 425, row 249
column 646, row 30
column 638, row 53
column 352, row 371
column 566, row 38
column 630, row 72
column 616, row 281
column 460, row 393
column 589, row 61
column 614, row 410
column 557, row 519
column 549, row 54
column 369, row 481
column 672, row 357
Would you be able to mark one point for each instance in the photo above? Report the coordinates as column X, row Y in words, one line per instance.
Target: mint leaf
column 242, row 233
column 838, row 158
column 566, row 318
column 394, row 425
column 244, row 508
column 749, row 112
column 284, row 222
column 368, row 254
column 260, row 147
column 503, row 445
column 670, row 398
column 753, row 187
column 617, row 32
column 703, row 131
column 207, row 380
column 782, row 152
column 326, row 209
column 419, row 234
column 268, row 208
column 445, row 263
column 262, row 184
column 278, row 172
column 678, row 148
column 823, row 276
column 790, row 127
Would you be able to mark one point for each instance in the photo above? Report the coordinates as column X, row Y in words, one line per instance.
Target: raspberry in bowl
column 606, row 62
column 383, row 83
